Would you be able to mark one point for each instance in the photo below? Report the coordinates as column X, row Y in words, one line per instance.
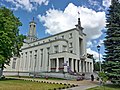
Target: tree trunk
column 1, row 70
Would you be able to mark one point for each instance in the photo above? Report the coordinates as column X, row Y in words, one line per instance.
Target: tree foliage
column 10, row 39
column 112, row 42
column 103, row 76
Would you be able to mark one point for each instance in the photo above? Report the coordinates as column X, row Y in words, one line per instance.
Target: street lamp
column 98, row 48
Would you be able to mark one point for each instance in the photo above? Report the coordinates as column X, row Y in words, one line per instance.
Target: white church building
column 52, row 54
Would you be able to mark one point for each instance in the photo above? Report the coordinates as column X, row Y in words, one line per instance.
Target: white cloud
column 89, row 44
column 96, row 55
column 57, row 21
column 28, row 5
column 93, row 2
column 106, row 3
column 101, row 42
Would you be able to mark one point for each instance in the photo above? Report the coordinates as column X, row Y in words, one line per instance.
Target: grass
column 27, row 85
column 106, row 87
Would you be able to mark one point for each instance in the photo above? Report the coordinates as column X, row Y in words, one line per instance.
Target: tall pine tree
column 112, row 42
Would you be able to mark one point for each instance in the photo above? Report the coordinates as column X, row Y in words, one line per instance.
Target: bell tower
column 32, row 31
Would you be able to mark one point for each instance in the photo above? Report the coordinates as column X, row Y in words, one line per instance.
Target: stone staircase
column 65, row 75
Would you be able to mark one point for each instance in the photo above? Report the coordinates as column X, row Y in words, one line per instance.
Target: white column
column 57, row 67
column 65, row 61
column 27, row 67
column 32, row 62
column 80, row 66
column 89, row 68
column 49, row 69
column 37, row 61
column 92, row 66
column 72, row 64
column 28, row 57
column 83, row 66
column 76, row 65
column 68, row 62
column 20, row 68
column 86, row 67
column 23, row 65
column 17, row 64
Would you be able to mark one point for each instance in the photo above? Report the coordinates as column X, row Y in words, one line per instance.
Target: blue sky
column 54, row 16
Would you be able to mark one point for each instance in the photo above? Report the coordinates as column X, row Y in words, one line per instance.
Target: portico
column 61, row 64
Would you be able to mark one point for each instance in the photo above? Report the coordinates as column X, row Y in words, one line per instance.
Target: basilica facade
column 52, row 54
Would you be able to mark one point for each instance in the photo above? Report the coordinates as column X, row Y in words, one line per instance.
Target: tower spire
column 79, row 23
column 33, row 18
column 78, row 26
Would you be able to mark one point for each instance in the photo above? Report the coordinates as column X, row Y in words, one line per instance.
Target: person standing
column 92, row 77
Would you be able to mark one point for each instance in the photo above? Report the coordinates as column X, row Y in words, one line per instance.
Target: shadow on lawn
column 113, row 86
column 7, row 79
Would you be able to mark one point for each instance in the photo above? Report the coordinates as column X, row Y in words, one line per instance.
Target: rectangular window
column 56, row 49
column 35, row 51
column 48, row 49
column 62, row 37
column 14, row 63
column 71, row 51
column 55, row 38
column 41, row 50
column 49, row 40
column 64, row 48
column 70, row 45
column 41, row 57
column 70, row 35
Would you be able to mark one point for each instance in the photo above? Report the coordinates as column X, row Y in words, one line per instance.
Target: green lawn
column 26, row 85
column 106, row 87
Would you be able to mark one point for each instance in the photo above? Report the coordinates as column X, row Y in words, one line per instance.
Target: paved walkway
column 82, row 85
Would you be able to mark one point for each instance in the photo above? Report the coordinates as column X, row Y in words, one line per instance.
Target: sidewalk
column 82, row 85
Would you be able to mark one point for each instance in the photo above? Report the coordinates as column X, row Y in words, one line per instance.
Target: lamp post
column 98, row 48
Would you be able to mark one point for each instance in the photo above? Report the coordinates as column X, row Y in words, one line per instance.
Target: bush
column 97, row 78
column 2, row 77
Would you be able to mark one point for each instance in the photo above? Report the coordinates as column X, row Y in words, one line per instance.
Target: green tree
column 103, row 77
column 112, row 42
column 96, row 66
column 10, row 39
